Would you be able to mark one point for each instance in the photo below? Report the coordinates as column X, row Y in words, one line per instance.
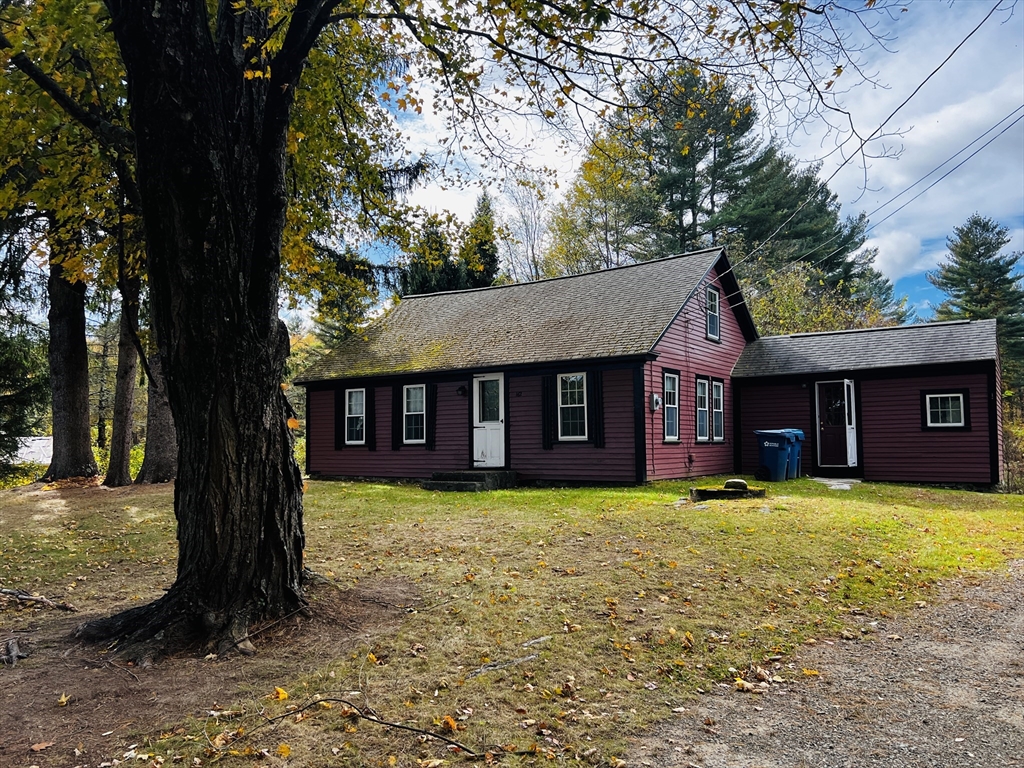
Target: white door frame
column 850, row 414
column 488, row 436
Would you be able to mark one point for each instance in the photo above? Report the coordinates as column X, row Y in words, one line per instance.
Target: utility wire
column 870, row 136
column 797, row 259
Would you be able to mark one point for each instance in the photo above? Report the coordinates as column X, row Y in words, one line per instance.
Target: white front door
column 489, row 420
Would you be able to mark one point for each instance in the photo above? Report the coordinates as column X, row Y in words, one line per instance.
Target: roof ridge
column 876, row 330
column 658, row 260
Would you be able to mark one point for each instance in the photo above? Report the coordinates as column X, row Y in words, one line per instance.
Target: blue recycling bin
column 772, row 453
column 795, row 453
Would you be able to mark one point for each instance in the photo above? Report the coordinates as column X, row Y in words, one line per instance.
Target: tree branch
column 111, row 136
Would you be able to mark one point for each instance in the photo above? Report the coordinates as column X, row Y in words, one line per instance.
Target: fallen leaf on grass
column 41, row 746
column 430, row 763
column 811, row 672
column 280, row 694
column 284, row 750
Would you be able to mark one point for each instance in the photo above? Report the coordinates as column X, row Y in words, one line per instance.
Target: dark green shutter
column 370, row 419
column 549, row 412
column 595, row 408
column 431, row 416
column 397, row 426
column 339, row 419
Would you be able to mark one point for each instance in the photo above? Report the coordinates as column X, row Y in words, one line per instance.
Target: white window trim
column 406, row 412
column 720, row 388
column 945, row 425
column 349, row 415
column 673, row 406
column 706, row 409
column 558, row 394
column 717, row 314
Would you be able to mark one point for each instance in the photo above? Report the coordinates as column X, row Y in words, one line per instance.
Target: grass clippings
column 527, row 625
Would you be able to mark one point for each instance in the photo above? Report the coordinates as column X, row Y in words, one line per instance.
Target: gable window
column 355, row 417
column 670, row 401
column 702, row 410
column 714, row 318
column 572, row 406
column 717, row 411
column 945, row 410
column 414, row 413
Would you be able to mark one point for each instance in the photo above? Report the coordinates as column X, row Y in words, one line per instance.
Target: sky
column 981, row 85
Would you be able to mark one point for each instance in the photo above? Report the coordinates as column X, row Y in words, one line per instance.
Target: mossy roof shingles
column 906, row 345
column 612, row 313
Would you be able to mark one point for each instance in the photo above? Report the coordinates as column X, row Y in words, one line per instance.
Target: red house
column 616, row 376
column 918, row 403
column 645, row 372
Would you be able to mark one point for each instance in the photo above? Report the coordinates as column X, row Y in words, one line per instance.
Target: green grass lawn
column 611, row 606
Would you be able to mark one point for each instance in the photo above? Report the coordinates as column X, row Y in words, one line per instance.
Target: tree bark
column 211, row 172
column 69, row 375
column 119, row 466
column 160, row 463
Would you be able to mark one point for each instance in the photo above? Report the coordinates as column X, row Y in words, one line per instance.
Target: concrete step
column 453, row 485
column 489, row 480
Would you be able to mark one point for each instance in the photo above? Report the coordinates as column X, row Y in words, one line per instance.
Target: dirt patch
column 109, row 702
column 941, row 686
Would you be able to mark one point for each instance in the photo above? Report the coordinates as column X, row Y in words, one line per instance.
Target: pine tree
column 982, row 283
column 479, row 251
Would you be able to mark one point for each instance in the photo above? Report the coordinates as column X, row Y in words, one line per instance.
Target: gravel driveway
column 940, row 686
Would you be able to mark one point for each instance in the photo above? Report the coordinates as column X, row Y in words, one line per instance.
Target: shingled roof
column 617, row 312
column 958, row 341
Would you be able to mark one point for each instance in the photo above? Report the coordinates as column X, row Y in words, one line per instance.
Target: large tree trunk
column 69, row 376
column 211, row 159
column 160, row 462
column 119, row 466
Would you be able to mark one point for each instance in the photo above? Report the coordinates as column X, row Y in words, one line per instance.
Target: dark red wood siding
column 452, row 439
column 686, row 348
column 572, row 461
column 895, row 446
column 785, row 406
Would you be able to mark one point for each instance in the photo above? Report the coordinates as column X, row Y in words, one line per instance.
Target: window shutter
column 549, row 412
column 339, row 418
column 595, row 408
column 431, row 417
column 397, row 422
column 370, row 420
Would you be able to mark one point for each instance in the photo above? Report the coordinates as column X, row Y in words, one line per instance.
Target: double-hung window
column 414, row 413
column 714, row 316
column 671, row 406
column 717, row 411
column 355, row 417
column 945, row 410
column 572, row 406
column 702, row 410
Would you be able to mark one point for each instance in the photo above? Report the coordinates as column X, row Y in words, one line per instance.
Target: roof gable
column 957, row 341
column 618, row 312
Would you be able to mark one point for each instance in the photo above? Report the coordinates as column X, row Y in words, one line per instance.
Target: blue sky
column 981, row 85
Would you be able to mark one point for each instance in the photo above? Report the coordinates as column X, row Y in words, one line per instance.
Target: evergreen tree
column 696, row 133
column 431, row 267
column 479, row 251
column 983, row 283
column 798, row 216
column 24, row 388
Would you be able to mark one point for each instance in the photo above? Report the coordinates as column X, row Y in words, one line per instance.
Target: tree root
column 171, row 624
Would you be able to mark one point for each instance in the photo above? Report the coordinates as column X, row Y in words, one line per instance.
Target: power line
column 798, row 259
column 870, row 136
